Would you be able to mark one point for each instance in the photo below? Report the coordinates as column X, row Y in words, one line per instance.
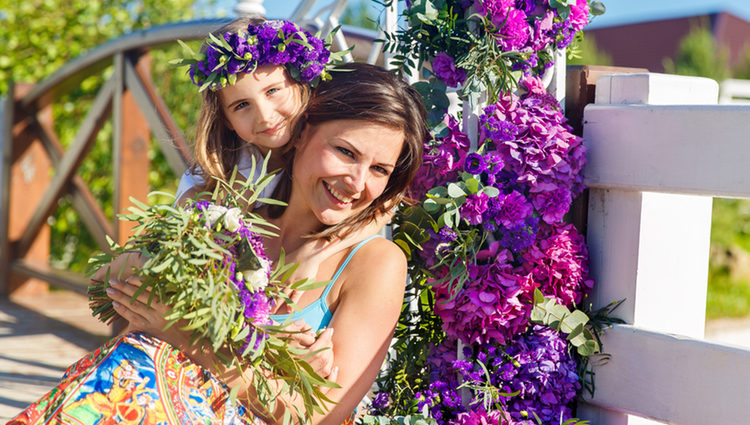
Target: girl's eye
column 240, row 105
column 345, row 151
column 272, row 91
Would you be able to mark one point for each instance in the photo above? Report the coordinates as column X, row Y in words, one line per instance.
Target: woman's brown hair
column 360, row 91
column 217, row 148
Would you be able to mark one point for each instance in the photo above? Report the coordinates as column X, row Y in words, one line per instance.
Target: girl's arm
column 150, row 319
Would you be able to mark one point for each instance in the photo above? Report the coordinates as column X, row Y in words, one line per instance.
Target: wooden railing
column 29, row 192
column 660, row 149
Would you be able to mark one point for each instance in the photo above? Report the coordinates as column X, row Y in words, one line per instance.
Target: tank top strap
column 346, row 261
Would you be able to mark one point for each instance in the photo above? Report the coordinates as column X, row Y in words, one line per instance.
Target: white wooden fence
column 659, row 149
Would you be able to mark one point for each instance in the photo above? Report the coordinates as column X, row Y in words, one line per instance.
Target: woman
column 352, row 159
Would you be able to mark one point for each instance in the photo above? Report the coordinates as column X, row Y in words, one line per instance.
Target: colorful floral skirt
column 136, row 379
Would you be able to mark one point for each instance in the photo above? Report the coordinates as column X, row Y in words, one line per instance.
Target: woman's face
column 261, row 105
column 342, row 166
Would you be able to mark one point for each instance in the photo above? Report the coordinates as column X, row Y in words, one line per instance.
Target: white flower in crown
column 257, row 280
column 214, row 213
column 232, row 219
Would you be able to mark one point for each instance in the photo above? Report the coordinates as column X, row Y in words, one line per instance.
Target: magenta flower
column 473, row 208
column 445, row 68
column 558, row 263
column 442, row 159
column 579, row 15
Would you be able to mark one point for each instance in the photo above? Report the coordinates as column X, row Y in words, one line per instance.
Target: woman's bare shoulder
column 379, row 259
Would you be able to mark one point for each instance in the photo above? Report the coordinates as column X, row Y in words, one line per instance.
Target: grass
column 727, row 297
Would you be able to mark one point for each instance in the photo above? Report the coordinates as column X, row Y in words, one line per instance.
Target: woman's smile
column 340, row 197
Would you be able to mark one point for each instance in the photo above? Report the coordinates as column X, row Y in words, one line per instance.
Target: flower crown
column 273, row 42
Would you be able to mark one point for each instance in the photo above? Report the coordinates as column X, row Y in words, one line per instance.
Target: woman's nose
column 357, row 178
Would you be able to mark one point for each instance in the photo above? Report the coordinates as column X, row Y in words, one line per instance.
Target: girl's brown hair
column 360, row 91
column 217, row 148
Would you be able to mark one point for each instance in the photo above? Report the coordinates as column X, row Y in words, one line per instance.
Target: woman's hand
column 318, row 349
column 121, row 267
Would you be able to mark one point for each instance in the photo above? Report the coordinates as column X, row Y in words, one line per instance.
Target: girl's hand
column 141, row 316
column 121, row 267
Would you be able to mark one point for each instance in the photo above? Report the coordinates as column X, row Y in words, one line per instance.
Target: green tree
column 742, row 70
column 586, row 52
column 40, row 36
column 359, row 14
column 700, row 56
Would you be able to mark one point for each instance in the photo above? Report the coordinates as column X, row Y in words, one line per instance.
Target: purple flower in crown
column 270, row 43
column 445, row 68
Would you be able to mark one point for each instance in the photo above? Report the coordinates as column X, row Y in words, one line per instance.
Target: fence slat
column 697, row 149
column 673, row 378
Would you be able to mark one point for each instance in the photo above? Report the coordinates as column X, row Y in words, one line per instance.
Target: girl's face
column 342, row 166
column 261, row 105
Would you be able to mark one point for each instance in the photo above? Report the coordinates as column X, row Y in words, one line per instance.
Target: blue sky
column 618, row 11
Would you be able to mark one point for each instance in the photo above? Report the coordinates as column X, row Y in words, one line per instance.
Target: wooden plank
column 80, row 146
column 6, row 145
column 61, row 278
column 82, row 199
column 672, row 378
column 696, row 149
column 131, row 156
column 175, row 155
column 177, row 139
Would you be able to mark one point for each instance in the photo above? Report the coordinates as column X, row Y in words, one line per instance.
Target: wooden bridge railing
column 129, row 99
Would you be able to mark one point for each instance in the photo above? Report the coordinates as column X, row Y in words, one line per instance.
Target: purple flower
column 445, row 68
column 474, row 163
column 379, row 403
column 559, row 264
column 473, row 208
column 441, row 159
column 514, row 209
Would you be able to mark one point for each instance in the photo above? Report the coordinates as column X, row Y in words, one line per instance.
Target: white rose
column 232, row 219
column 213, row 213
column 257, row 279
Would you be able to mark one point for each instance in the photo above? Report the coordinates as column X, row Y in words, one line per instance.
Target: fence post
column 650, row 249
column 131, row 145
column 27, row 176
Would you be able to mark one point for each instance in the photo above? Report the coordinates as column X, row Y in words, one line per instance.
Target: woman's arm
column 366, row 312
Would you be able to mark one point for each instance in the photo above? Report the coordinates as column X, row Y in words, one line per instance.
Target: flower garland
column 274, row 42
column 493, row 265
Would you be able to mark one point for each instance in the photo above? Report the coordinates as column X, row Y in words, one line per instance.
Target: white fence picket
column 659, row 150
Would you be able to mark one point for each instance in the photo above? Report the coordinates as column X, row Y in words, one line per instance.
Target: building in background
column 646, row 44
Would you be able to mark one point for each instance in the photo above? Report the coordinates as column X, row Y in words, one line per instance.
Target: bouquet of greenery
column 206, row 260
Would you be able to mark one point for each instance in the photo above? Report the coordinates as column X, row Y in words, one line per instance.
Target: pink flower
column 558, row 263
column 579, row 15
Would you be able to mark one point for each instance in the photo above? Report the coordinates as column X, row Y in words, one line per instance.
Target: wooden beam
column 82, row 198
column 81, row 144
column 60, row 278
column 176, row 152
column 6, row 144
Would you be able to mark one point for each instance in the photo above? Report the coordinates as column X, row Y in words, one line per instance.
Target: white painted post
column 250, row 8
column 648, row 248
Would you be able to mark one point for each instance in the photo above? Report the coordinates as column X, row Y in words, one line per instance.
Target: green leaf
column 455, row 191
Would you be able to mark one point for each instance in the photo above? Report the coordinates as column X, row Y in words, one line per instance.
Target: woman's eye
column 345, row 151
column 381, row 170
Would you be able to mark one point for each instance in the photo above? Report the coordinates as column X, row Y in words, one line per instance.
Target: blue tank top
column 317, row 315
